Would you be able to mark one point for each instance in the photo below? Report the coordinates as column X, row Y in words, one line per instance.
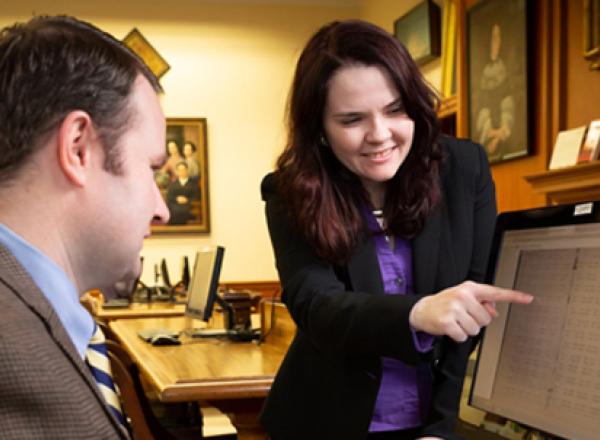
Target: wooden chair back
column 277, row 326
column 144, row 425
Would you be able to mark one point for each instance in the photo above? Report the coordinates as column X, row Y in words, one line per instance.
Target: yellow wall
column 232, row 64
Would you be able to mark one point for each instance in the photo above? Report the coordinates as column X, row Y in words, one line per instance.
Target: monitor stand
column 232, row 335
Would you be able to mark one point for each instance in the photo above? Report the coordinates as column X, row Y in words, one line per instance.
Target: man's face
column 123, row 206
column 182, row 171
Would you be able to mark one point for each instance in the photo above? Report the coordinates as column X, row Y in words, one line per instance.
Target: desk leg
column 244, row 415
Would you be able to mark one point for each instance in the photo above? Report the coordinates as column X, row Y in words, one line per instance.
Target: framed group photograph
column 419, row 31
column 497, row 65
column 183, row 179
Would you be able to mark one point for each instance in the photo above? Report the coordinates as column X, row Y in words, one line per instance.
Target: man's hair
column 51, row 66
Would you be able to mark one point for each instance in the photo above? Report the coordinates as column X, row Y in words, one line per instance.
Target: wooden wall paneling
column 583, row 84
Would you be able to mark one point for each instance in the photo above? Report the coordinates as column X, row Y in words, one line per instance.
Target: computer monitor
column 202, row 292
column 539, row 364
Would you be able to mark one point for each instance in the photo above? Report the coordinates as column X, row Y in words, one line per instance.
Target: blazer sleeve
column 337, row 321
column 452, row 358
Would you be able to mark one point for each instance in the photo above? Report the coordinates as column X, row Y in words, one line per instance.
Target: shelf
column 568, row 185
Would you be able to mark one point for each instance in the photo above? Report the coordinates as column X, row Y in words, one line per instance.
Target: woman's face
column 188, row 151
column 172, row 148
column 366, row 126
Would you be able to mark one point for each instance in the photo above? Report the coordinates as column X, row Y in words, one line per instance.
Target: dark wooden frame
column 419, row 31
column 135, row 41
column 183, row 130
column 512, row 18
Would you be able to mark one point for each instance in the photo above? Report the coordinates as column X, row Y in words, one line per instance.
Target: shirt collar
column 56, row 286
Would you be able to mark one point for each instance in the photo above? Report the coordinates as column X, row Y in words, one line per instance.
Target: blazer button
column 399, row 281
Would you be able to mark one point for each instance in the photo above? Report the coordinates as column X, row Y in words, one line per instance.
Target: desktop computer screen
column 539, row 364
column 202, row 292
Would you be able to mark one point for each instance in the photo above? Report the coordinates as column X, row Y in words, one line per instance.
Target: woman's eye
column 349, row 121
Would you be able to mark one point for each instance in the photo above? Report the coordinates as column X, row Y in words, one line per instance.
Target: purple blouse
column 403, row 388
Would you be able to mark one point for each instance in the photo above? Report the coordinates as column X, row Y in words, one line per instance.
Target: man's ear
column 76, row 137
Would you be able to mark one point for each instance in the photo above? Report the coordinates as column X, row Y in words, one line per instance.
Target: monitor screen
column 539, row 364
column 202, row 292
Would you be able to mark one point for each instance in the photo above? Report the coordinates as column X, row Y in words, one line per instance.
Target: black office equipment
column 202, row 295
column 202, row 292
column 539, row 364
column 185, row 274
column 164, row 271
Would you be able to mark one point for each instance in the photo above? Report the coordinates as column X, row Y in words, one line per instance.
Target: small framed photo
column 419, row 31
column 590, row 149
column 183, row 179
column 135, row 41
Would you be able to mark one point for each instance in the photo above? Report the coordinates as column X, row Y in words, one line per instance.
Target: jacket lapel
column 363, row 269
column 425, row 247
column 20, row 283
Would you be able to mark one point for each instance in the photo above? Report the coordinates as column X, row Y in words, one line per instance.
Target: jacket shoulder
column 462, row 156
column 268, row 187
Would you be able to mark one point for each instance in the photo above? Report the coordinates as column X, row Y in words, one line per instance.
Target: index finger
column 488, row 293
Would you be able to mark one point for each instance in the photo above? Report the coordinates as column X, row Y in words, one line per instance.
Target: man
column 81, row 133
column 180, row 195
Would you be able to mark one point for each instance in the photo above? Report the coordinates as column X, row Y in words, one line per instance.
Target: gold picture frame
column 135, row 41
column 186, row 195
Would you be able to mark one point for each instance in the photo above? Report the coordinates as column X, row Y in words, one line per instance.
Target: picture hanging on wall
column 135, row 41
column 183, row 179
column 497, row 66
column 419, row 31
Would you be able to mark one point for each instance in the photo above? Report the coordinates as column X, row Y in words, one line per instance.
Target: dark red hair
column 324, row 197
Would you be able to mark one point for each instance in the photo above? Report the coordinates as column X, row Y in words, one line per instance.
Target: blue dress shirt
column 56, row 286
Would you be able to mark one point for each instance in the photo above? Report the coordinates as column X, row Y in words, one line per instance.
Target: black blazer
column 328, row 382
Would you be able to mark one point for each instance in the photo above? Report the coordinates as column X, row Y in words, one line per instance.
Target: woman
column 370, row 212
column 189, row 152
column 175, row 157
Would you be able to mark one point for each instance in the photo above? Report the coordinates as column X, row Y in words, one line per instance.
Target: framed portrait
column 497, row 68
column 419, row 31
column 591, row 33
column 143, row 49
column 183, row 179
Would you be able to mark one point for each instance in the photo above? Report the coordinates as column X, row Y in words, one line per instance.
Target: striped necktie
column 96, row 357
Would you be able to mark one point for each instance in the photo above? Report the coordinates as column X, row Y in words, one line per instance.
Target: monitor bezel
column 553, row 216
column 212, row 296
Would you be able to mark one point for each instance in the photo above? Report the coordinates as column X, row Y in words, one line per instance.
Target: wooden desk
column 139, row 310
column 93, row 301
column 234, row 377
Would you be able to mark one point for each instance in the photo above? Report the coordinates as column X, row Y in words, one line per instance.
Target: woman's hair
column 191, row 144
column 325, row 198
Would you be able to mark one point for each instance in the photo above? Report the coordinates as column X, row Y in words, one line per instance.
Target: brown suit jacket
column 46, row 390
